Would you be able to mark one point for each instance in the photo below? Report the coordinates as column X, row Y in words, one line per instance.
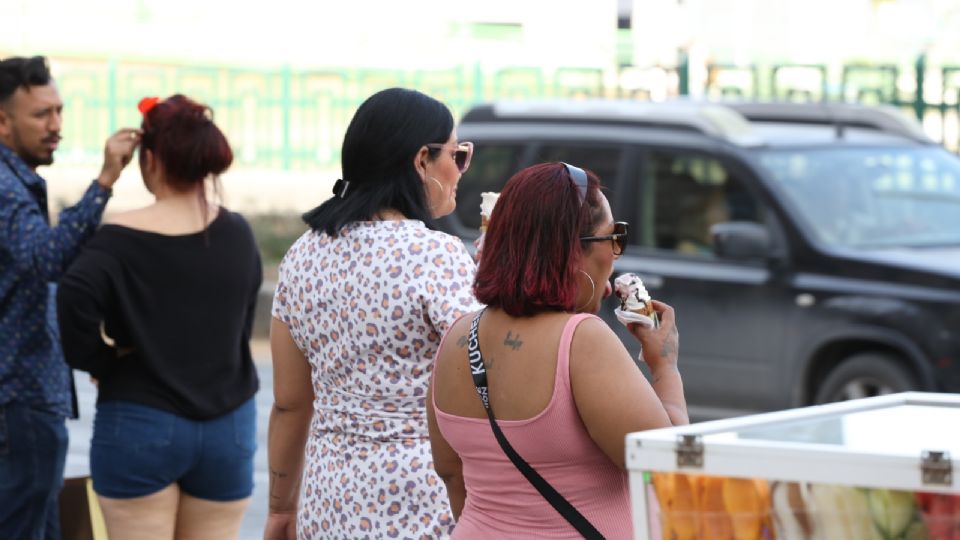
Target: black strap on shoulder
column 562, row 505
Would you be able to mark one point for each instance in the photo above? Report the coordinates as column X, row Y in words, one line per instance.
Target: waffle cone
column 647, row 310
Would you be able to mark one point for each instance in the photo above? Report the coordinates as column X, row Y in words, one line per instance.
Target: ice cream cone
column 487, row 201
column 634, row 297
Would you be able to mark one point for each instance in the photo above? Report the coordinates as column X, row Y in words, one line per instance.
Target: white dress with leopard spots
column 368, row 309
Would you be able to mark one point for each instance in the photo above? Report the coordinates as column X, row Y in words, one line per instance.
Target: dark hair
column 19, row 72
column 532, row 249
column 385, row 134
column 181, row 134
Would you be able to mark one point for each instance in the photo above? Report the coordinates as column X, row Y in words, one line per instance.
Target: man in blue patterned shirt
column 36, row 386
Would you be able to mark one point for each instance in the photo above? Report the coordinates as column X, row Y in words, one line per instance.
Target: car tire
column 865, row 375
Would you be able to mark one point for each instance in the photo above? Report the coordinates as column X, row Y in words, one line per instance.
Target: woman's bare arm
column 612, row 395
column 289, row 423
column 446, row 461
column 661, row 351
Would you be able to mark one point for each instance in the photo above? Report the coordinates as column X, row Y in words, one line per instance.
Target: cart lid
column 899, row 441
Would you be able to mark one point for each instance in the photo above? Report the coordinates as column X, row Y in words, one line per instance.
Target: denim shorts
column 139, row 450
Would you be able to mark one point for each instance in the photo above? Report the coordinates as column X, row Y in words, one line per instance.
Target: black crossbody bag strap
column 479, row 373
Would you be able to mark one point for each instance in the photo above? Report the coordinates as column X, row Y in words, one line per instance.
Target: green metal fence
column 929, row 93
column 294, row 119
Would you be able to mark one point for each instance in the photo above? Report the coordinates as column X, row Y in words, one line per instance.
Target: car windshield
column 873, row 197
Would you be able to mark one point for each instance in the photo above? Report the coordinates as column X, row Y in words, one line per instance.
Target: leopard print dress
column 368, row 309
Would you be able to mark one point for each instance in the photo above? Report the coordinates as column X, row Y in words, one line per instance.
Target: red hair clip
column 146, row 104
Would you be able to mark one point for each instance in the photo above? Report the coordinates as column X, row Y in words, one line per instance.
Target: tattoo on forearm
column 671, row 345
column 513, row 342
column 275, row 476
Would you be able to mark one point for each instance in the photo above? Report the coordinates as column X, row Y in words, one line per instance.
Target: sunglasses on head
column 618, row 238
column 579, row 178
column 463, row 152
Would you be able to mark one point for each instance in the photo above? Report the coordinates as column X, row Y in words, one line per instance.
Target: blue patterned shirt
column 33, row 256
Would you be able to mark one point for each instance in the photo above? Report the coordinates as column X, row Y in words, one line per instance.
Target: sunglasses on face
column 463, row 152
column 618, row 238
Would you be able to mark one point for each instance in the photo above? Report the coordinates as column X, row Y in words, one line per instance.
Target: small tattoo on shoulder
column 462, row 342
column 513, row 342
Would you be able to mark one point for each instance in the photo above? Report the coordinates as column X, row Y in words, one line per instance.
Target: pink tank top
column 501, row 503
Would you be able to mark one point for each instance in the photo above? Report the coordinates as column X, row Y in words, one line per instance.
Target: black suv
column 812, row 251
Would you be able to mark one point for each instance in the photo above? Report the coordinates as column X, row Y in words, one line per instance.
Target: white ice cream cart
column 874, row 468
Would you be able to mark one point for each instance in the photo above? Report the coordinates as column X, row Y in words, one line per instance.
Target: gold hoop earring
column 593, row 291
column 442, row 191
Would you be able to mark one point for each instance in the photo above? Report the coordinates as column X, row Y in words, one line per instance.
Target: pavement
column 82, row 430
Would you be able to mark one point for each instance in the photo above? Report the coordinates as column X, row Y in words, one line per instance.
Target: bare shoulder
column 591, row 331
column 459, row 332
column 593, row 340
column 135, row 219
column 455, row 341
column 164, row 219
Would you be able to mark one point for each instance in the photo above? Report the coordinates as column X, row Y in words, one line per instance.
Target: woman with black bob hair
column 361, row 302
column 384, row 159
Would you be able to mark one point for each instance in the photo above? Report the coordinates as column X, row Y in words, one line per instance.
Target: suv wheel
column 865, row 375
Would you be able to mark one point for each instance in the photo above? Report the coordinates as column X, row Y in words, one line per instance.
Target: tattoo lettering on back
column 513, row 342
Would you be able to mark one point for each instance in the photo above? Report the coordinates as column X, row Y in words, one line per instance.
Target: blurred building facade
column 285, row 77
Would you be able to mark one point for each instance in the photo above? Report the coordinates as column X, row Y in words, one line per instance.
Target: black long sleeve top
column 165, row 320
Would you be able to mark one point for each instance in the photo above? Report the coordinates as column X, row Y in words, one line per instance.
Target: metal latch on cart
column 936, row 468
column 689, row 451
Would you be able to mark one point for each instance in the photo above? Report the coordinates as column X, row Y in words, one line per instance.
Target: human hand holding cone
column 635, row 304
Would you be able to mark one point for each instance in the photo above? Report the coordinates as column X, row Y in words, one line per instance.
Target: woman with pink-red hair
column 532, row 396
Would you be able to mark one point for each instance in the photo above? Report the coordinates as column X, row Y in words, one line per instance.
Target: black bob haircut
column 377, row 159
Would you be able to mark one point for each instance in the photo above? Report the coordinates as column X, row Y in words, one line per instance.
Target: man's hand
column 116, row 154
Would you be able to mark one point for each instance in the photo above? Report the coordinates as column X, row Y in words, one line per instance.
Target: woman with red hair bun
column 536, row 374
column 158, row 308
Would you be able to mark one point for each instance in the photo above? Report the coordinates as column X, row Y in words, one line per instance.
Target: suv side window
column 684, row 194
column 602, row 160
column 491, row 167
